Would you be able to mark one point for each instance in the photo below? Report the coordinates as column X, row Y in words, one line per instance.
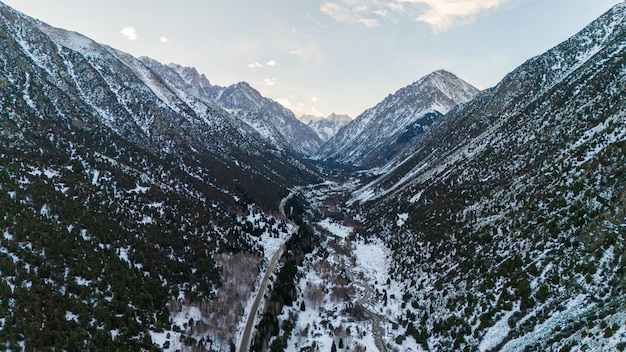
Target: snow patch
column 335, row 228
column 416, row 197
column 496, row 333
column 69, row 316
column 139, row 189
column 402, row 218
column 83, row 234
column 96, row 176
column 373, row 259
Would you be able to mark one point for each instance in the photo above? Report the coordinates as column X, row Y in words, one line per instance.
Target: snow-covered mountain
column 273, row 121
column 374, row 137
column 326, row 127
column 90, row 85
column 506, row 222
column 139, row 212
column 121, row 197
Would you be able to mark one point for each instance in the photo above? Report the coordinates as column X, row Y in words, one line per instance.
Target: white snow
column 160, row 338
column 402, row 218
column 69, row 316
column 496, row 333
column 336, row 229
column 139, row 189
column 123, row 254
column 61, row 187
column 83, row 234
column 45, row 210
column 35, row 172
column 49, row 173
column 82, row 282
column 416, row 197
column 96, row 176
column 373, row 259
column 187, row 312
column 574, row 309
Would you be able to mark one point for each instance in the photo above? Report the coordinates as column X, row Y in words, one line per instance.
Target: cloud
column 349, row 11
column 129, row 32
column 444, row 14
column 164, row 40
column 270, row 82
column 255, row 65
column 439, row 14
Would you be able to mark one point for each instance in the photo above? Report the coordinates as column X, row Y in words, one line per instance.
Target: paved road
column 246, row 337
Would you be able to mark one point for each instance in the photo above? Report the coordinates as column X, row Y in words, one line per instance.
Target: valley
column 144, row 208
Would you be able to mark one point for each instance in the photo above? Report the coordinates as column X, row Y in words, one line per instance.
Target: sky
column 323, row 56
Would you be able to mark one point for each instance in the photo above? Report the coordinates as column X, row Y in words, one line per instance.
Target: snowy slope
column 508, row 216
column 275, row 123
column 374, row 137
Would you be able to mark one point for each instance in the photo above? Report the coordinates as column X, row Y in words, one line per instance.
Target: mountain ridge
column 273, row 121
column 400, row 117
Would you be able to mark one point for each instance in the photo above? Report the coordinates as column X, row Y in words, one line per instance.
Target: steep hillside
column 274, row 122
column 507, row 224
column 121, row 197
column 374, row 137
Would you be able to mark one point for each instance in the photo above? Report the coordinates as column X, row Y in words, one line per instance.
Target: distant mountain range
column 326, row 127
column 274, row 122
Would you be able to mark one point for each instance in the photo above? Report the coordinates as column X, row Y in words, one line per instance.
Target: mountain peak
column 440, row 73
column 275, row 123
column 370, row 140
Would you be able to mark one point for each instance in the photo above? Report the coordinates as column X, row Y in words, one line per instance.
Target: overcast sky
column 323, row 56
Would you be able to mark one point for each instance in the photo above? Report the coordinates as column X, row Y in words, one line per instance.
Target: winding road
column 246, row 337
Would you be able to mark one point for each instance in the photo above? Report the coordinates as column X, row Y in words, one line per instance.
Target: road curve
column 246, row 337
